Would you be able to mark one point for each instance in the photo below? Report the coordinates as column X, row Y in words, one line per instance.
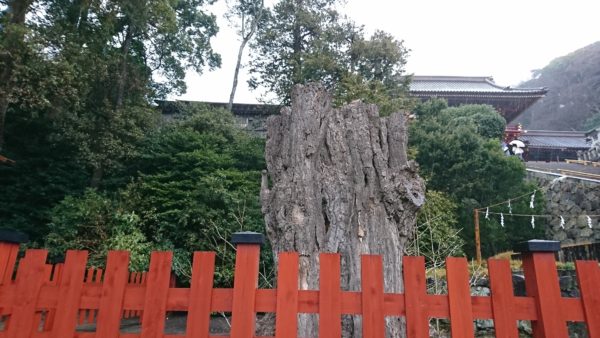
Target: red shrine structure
column 542, row 145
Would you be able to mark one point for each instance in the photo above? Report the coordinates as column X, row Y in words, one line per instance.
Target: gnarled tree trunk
column 340, row 182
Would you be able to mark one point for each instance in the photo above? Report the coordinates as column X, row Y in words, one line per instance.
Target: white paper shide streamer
column 531, row 206
column 502, row 219
column 532, row 221
column 487, row 213
column 509, row 207
column 562, row 222
column 589, row 221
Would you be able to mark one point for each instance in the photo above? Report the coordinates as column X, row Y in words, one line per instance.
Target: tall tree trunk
column 341, row 183
column 238, row 65
column 122, row 77
column 98, row 170
column 13, row 38
column 255, row 19
column 297, row 44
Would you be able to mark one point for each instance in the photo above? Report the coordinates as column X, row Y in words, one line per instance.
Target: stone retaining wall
column 573, row 199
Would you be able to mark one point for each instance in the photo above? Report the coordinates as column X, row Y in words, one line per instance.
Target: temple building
column 542, row 145
column 457, row 90
column 556, row 146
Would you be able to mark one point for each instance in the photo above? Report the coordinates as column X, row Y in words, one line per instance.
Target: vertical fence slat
column 131, row 279
column 503, row 306
column 157, row 291
column 43, row 313
column 97, row 280
column 286, row 321
column 51, row 313
column 8, row 259
column 330, row 296
column 541, row 282
column 30, row 278
column 244, row 291
column 113, row 291
column 417, row 322
column 69, row 294
column 371, row 269
column 84, row 312
column 588, row 278
column 459, row 297
column 203, row 270
column 142, row 282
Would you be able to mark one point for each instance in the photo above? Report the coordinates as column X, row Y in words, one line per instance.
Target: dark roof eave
column 538, row 94
column 556, row 147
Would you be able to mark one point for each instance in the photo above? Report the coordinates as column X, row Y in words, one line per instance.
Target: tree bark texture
column 340, row 182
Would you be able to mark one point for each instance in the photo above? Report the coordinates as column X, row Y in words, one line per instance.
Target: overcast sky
column 504, row 39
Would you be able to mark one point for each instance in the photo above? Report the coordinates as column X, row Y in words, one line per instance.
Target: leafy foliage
column 494, row 237
column 300, row 42
column 437, row 236
column 458, row 150
column 307, row 41
column 82, row 75
column 46, row 170
column 96, row 223
column 106, row 61
column 193, row 183
column 375, row 73
column 199, row 182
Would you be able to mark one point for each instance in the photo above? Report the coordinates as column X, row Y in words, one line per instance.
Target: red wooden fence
column 31, row 292
column 94, row 277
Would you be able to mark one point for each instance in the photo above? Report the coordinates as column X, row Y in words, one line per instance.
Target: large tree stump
column 340, row 182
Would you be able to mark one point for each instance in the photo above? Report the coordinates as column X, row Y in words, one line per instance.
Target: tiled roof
column 466, row 85
column 555, row 139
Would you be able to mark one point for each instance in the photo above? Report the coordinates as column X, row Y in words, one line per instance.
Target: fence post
column 541, row 283
column 243, row 315
column 9, row 248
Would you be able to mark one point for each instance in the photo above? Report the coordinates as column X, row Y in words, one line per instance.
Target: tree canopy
column 191, row 185
column 459, row 153
column 309, row 41
column 94, row 67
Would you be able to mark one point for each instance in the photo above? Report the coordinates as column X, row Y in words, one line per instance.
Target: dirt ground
column 175, row 324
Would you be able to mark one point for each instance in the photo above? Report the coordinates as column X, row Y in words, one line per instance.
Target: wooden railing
column 30, row 293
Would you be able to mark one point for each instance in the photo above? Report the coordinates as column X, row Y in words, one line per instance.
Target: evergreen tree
column 459, row 153
column 308, row 41
column 124, row 54
column 299, row 43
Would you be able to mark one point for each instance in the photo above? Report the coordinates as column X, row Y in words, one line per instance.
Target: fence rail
column 579, row 251
column 110, row 294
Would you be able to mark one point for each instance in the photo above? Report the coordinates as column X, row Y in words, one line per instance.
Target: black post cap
column 247, row 237
column 537, row 245
column 13, row 236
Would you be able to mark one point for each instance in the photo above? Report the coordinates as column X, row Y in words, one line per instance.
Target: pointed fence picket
column 41, row 300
